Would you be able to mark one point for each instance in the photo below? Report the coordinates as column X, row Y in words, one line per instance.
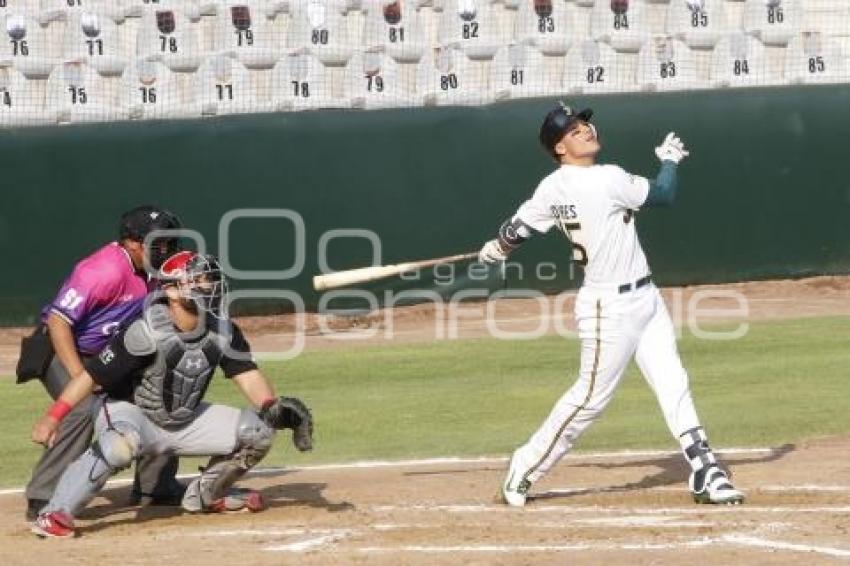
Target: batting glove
column 671, row 149
column 492, row 252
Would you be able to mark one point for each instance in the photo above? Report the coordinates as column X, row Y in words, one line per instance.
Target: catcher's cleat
column 515, row 489
column 237, row 500
column 233, row 501
column 55, row 524
column 712, row 485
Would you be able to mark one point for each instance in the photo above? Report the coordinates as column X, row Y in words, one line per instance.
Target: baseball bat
column 366, row 274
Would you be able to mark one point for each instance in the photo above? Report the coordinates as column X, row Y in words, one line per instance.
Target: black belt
column 642, row 282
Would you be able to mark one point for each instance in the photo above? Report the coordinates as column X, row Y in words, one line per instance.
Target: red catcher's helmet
column 202, row 279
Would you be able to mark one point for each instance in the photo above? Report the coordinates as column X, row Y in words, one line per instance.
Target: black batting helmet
column 557, row 123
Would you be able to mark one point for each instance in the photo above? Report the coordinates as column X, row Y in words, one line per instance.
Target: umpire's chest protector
column 173, row 385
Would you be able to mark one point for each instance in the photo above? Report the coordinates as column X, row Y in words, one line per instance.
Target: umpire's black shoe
column 172, row 496
column 33, row 507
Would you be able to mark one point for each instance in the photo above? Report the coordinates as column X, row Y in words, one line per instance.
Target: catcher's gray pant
column 124, row 433
column 155, row 473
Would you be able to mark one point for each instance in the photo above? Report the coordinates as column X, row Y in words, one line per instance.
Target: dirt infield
column 593, row 509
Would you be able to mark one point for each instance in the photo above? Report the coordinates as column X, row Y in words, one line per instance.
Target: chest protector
column 172, row 386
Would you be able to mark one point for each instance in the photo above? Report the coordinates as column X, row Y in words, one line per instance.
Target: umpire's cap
column 557, row 123
column 136, row 224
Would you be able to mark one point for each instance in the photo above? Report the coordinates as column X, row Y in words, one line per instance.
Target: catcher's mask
column 200, row 280
column 557, row 123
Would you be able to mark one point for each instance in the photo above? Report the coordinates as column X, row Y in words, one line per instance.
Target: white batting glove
column 671, row 149
column 492, row 252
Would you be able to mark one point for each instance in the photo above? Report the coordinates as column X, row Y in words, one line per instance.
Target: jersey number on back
column 566, row 217
column 571, row 230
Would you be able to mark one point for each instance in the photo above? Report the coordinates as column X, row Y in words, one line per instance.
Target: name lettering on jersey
column 564, row 211
column 106, row 355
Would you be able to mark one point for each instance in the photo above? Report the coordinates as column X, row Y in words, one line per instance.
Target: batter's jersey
column 103, row 290
column 594, row 206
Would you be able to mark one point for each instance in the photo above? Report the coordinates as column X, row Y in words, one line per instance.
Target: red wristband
column 59, row 409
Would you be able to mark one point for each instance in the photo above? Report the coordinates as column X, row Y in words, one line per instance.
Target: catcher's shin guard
column 707, row 482
column 253, row 441
column 113, row 451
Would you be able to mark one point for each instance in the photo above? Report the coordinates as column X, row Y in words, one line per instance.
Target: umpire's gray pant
column 155, row 473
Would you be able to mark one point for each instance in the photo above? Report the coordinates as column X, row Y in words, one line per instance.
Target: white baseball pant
column 613, row 327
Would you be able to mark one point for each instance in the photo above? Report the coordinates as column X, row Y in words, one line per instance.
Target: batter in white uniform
column 619, row 311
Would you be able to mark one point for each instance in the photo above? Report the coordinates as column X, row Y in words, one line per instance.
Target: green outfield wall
column 764, row 194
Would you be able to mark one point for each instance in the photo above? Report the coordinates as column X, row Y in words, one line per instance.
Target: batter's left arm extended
column 662, row 190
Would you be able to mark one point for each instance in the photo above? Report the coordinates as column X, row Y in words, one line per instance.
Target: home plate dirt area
column 594, row 508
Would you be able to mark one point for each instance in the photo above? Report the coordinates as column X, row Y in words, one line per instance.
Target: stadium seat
column 64, row 9
column 699, row 23
column 812, row 57
column 150, row 90
column 169, row 36
column 395, row 26
column 301, row 82
column 621, row 24
column 320, row 27
column 373, row 81
column 446, row 77
column 666, row 63
column 545, row 24
column 94, row 39
column 471, row 25
column 774, row 22
column 77, row 93
column 739, row 60
column 224, row 86
column 517, row 72
column 593, row 67
column 34, row 49
column 242, row 30
column 22, row 100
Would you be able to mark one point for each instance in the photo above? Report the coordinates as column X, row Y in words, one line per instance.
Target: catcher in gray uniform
column 154, row 374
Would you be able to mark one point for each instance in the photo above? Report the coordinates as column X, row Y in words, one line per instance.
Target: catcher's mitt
column 290, row 412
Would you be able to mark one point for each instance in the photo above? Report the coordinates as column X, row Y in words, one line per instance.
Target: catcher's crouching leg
column 114, row 450
column 211, row 491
